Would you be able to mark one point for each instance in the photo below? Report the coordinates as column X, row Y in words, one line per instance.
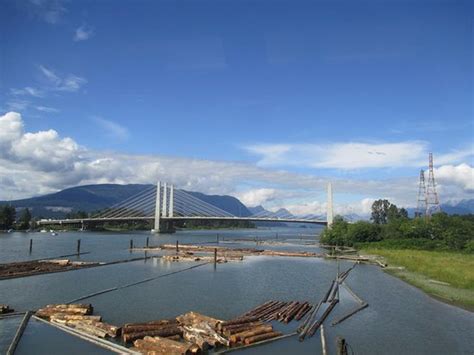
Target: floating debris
column 4, row 309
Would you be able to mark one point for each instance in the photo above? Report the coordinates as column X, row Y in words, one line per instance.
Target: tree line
column 390, row 226
column 8, row 218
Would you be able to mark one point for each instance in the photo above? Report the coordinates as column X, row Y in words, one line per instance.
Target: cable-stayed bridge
column 163, row 204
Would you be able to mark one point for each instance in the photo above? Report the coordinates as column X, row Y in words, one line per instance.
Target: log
column 163, row 332
column 176, row 337
column 261, row 337
column 301, row 313
column 146, row 327
column 237, row 321
column 159, row 345
column 351, row 313
column 258, row 308
column 192, row 318
column 62, row 318
column 292, row 313
column 318, row 323
column 197, row 339
column 263, row 308
column 91, row 329
column 240, row 328
column 285, row 309
column 272, row 312
column 250, row 333
column 204, row 329
column 66, row 306
column 161, row 322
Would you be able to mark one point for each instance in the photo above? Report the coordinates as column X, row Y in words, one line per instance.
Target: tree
column 25, row 219
column 380, row 211
column 7, row 217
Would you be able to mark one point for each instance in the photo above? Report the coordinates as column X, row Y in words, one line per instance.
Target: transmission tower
column 421, row 205
column 432, row 200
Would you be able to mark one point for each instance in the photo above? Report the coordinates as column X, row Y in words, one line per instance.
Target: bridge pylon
column 163, row 208
column 329, row 211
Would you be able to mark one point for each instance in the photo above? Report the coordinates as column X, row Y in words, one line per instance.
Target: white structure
column 170, row 211
column 158, row 208
column 329, row 212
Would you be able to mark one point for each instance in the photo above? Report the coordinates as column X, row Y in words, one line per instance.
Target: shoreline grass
column 448, row 276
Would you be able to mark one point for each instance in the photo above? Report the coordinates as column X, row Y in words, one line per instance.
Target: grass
column 445, row 275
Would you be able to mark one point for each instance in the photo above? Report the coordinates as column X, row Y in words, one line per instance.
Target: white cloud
column 28, row 90
column 349, row 156
column 255, row 197
column 461, row 175
column 50, row 11
column 18, row 105
column 68, row 83
column 83, row 33
column 112, row 129
column 47, row 109
column 33, row 163
column 361, row 208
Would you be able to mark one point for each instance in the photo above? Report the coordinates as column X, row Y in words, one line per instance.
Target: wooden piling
column 177, row 247
column 341, row 346
column 147, row 241
column 78, row 247
column 215, row 256
column 31, row 245
column 131, row 244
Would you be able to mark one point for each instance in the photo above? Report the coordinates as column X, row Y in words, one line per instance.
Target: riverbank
column 447, row 276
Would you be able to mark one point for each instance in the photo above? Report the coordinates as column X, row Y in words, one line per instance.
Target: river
column 400, row 318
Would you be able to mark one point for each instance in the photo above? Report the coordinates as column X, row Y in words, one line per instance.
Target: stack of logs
column 78, row 316
column 246, row 330
column 279, row 310
column 162, row 328
column 158, row 345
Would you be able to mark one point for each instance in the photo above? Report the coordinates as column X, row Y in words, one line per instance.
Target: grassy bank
column 448, row 276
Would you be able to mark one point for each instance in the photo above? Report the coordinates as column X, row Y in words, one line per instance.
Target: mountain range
column 90, row 198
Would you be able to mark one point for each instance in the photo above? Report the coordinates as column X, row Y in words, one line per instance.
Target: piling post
column 78, row 246
column 131, row 245
column 341, row 346
column 215, row 256
column 147, row 241
column 31, row 245
column 177, row 247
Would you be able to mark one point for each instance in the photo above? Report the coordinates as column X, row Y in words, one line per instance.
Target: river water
column 400, row 319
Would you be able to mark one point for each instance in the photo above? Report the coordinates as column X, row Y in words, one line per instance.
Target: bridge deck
column 179, row 218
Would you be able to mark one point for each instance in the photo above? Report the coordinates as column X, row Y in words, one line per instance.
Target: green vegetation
column 392, row 228
column 434, row 254
column 7, row 217
column 448, row 276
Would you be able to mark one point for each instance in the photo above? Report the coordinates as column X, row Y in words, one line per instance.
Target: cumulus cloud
column 34, row 163
column 83, row 33
column 348, row 156
column 255, row 197
column 461, row 175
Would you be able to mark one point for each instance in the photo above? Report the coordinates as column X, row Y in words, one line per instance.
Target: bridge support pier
column 161, row 209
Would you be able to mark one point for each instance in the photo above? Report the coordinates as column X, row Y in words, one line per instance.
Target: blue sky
column 350, row 90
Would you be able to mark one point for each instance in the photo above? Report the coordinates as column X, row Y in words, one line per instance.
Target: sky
column 267, row 101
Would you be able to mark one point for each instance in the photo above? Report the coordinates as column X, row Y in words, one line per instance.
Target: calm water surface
column 400, row 319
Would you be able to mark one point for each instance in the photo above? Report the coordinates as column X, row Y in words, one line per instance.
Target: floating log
column 318, row 323
column 207, row 332
column 134, row 328
column 192, row 318
column 351, row 313
column 91, row 329
column 301, row 313
column 64, row 318
column 292, row 312
column 236, row 321
column 176, row 337
column 250, row 333
column 258, row 308
column 326, row 296
column 157, row 345
column 265, row 310
column 163, row 332
column 261, row 337
column 197, row 339
column 240, row 328
column 152, row 323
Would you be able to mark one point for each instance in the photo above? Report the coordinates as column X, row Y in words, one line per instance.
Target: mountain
column 91, row 198
column 257, row 209
column 462, row 207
